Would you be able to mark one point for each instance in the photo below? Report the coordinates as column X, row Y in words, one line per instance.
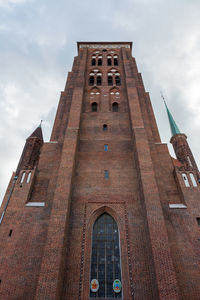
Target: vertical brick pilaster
column 164, row 269
column 50, row 279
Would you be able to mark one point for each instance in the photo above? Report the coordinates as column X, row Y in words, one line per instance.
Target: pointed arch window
column 93, row 62
column 109, row 61
column 185, row 179
column 110, row 80
column 28, row 178
column 91, row 80
column 105, row 259
column 193, row 179
column 115, row 60
column 115, row 107
column 100, row 62
column 117, row 80
column 94, row 107
column 23, row 176
column 99, row 80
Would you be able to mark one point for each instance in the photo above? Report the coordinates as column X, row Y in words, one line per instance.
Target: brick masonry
column 45, row 250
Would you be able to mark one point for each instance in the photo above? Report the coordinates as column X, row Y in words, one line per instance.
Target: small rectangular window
column 105, row 147
column 10, row 232
column 106, row 174
column 198, row 221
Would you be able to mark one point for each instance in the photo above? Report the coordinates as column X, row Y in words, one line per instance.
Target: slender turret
column 180, row 145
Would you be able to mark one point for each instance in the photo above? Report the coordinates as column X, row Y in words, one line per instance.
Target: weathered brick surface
column 48, row 253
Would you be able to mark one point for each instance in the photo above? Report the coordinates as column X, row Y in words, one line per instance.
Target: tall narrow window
column 99, row 62
column 115, row 61
column 23, row 176
column 98, row 80
column 110, row 80
column 105, row 127
column 105, row 259
column 115, row 107
column 91, row 80
column 28, row 178
column 117, row 80
column 106, row 174
column 109, row 61
column 105, row 147
column 185, row 179
column 193, row 179
column 94, row 107
column 93, row 62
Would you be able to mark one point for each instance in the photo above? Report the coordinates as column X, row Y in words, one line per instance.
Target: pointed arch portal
column 105, row 259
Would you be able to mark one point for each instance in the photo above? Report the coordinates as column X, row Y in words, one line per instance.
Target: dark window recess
column 91, row 80
column 115, row 107
column 0, row 281
column 105, row 259
column 98, row 80
column 115, row 62
column 93, row 62
column 110, row 80
column 117, row 80
column 198, row 221
column 94, row 106
column 104, row 50
column 106, row 174
column 10, row 232
column 99, row 62
column 105, row 127
column 109, row 62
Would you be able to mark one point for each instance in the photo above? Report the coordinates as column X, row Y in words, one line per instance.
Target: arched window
column 115, row 107
column 117, row 80
column 93, row 62
column 23, row 176
column 105, row 259
column 94, row 106
column 193, row 179
column 105, row 127
column 115, row 60
column 91, row 80
column 99, row 62
column 110, row 80
column 109, row 61
column 28, row 178
column 185, row 179
column 98, row 80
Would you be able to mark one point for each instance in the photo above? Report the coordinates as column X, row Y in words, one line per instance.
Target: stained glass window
column 105, row 259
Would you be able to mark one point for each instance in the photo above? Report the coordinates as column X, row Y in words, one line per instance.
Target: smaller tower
column 181, row 147
column 31, row 151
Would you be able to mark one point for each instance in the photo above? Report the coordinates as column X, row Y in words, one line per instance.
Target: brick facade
column 46, row 226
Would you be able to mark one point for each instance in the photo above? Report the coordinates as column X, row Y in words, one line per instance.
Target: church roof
column 174, row 128
column 37, row 133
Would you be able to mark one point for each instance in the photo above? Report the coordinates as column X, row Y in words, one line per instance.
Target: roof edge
column 103, row 43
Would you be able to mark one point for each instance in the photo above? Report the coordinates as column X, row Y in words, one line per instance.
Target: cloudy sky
column 38, row 43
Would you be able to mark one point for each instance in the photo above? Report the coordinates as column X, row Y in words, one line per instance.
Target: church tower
column 102, row 211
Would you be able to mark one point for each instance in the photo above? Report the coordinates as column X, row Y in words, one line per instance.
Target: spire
column 174, row 128
column 37, row 132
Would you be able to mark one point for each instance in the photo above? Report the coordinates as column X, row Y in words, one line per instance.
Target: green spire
column 174, row 128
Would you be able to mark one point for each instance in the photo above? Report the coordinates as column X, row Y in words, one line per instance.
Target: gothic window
column 105, row 127
column 94, row 107
column 109, row 60
column 106, row 174
column 115, row 60
column 185, row 179
column 100, row 62
column 115, row 107
column 105, row 259
column 110, row 80
column 93, row 62
column 28, row 178
column 23, row 176
column 91, row 80
column 193, row 179
column 98, row 80
column 117, row 80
